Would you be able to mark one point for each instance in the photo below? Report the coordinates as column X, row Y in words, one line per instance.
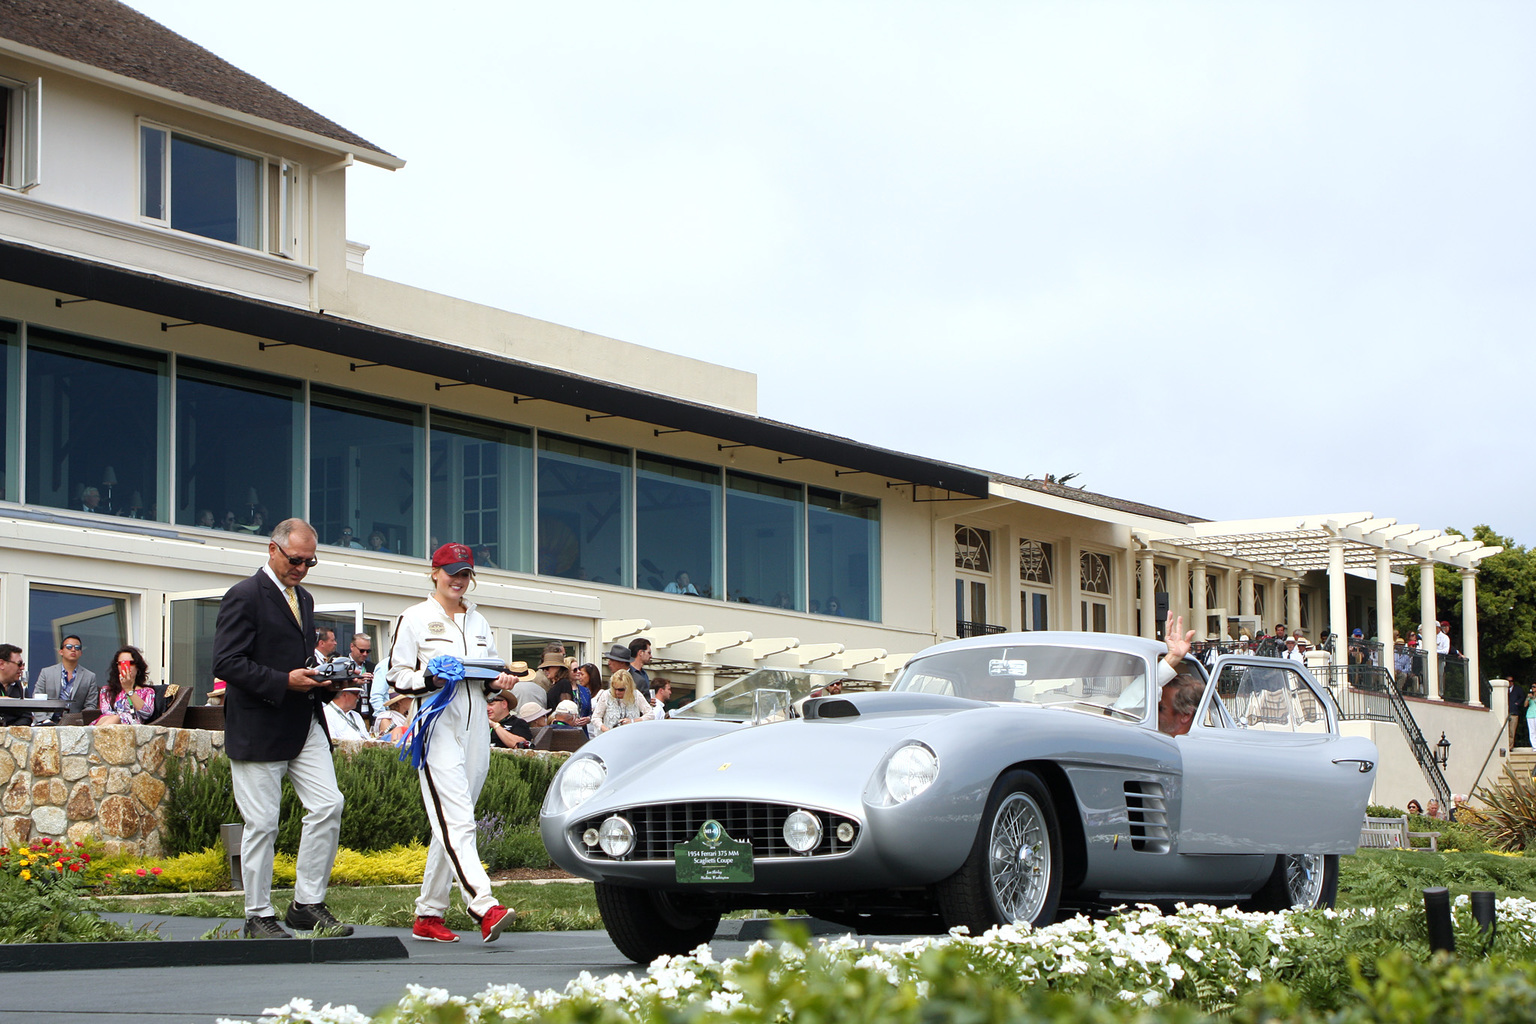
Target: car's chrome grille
column 1147, row 815
column 660, row 827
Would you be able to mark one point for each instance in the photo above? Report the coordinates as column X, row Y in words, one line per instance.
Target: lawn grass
column 1368, row 878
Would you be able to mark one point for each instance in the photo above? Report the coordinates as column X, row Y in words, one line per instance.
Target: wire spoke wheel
column 1304, row 876
column 1020, row 862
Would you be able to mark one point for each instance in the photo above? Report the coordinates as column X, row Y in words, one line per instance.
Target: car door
column 1265, row 768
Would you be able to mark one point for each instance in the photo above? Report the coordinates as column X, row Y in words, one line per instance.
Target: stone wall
column 76, row 782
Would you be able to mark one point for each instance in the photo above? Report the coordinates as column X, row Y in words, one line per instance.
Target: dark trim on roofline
column 75, row 276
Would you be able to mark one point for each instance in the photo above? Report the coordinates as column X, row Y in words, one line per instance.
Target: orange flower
column 154, row 871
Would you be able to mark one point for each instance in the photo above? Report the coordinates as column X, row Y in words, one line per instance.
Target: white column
column 1338, row 621
column 1178, row 591
column 704, row 681
column 1384, row 607
column 1245, row 593
column 1428, row 629
column 1469, row 640
column 1199, row 613
column 1292, row 605
column 1148, row 595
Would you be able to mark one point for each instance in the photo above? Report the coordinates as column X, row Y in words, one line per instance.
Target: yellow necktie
column 293, row 604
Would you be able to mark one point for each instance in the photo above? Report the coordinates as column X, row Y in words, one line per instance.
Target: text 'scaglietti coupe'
column 1000, row 779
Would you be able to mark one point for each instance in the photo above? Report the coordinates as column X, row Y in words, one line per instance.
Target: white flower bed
column 1139, row 955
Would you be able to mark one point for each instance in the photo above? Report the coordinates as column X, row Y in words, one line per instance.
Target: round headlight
column 580, row 779
column 616, row 836
column 589, row 838
column 910, row 770
column 845, row 831
column 802, row 831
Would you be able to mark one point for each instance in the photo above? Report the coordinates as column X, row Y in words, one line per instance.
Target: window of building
column 765, row 542
column 95, row 426
column 584, row 511
column 1095, row 573
column 1258, row 601
column 21, row 109
column 365, row 471
column 844, row 532
column 10, row 403
column 229, row 475
column 1095, row 580
column 482, row 490
column 1036, row 562
column 678, row 528
column 973, row 549
column 99, row 620
column 206, row 189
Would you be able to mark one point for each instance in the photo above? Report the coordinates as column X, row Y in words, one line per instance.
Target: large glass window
column 677, row 526
column 365, row 471
column 10, row 402
column 845, row 553
column 584, row 511
column 482, row 490
column 95, row 429
column 210, row 190
column 99, row 620
column 239, row 448
column 765, row 542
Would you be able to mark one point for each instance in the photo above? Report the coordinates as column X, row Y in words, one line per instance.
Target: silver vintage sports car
column 1002, row 778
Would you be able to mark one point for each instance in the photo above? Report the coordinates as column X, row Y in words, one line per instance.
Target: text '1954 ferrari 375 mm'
column 1002, row 778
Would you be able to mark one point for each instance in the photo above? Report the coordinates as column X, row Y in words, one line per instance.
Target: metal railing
column 1368, row 692
column 964, row 629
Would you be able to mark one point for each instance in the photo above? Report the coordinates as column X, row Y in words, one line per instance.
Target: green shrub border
column 383, row 800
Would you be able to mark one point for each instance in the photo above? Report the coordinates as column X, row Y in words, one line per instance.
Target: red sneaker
column 495, row 922
column 432, row 929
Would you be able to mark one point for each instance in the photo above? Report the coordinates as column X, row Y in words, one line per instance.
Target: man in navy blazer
column 65, row 681
column 274, row 726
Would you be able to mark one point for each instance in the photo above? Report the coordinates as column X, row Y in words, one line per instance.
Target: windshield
column 764, row 695
column 1098, row 682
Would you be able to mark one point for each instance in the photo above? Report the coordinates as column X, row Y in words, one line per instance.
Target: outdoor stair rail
column 1368, row 692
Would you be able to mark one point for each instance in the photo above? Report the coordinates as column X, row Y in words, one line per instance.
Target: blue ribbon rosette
column 448, row 671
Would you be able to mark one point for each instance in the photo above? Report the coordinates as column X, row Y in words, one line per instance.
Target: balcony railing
column 964, row 629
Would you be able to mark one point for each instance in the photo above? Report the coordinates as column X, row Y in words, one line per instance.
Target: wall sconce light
column 1443, row 751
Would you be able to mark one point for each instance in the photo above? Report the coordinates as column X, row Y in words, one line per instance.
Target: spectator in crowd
column 274, row 726
column 66, row 681
column 1459, row 809
column 361, row 652
column 389, row 718
column 566, row 716
column 620, row 704
column 1434, row 810
column 508, row 731
column 90, row 500
column 662, row 694
column 229, row 523
column 1415, row 808
column 557, row 676
column 529, row 685
column 341, row 717
column 483, row 557
column 834, row 606
column 205, row 518
column 325, row 645
column 12, row 669
column 1443, row 639
column 257, row 523
column 617, row 658
column 832, row 689
column 451, row 742
column 1517, row 698
column 1402, row 669
column 347, row 540
column 1294, row 652
column 377, row 542
column 639, row 657
column 126, row 698
column 587, row 681
column 681, row 584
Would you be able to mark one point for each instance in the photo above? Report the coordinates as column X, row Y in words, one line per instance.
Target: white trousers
column 258, row 793
column 458, row 758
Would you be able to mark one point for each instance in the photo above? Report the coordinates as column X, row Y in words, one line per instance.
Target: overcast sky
column 1231, row 259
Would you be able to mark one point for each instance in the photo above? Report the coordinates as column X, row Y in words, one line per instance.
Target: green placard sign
column 713, row 856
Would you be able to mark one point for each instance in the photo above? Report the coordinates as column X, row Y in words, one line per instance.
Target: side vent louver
column 1147, row 817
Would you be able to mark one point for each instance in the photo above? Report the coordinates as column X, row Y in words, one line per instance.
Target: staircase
column 1522, row 762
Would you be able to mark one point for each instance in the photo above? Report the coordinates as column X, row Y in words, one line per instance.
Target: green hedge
column 384, row 805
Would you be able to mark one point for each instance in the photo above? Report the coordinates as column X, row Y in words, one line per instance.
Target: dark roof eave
column 72, row 275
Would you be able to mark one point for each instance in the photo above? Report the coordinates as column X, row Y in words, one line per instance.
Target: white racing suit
column 458, row 750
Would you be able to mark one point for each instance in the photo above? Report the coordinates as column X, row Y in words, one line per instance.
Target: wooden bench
column 1393, row 834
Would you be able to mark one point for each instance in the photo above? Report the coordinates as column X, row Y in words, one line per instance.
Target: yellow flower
column 25, row 862
column 25, row 874
column 58, row 865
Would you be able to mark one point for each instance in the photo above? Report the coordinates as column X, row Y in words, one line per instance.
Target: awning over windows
column 738, row 651
column 1301, row 545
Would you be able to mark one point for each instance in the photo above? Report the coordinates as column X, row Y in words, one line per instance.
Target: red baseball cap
column 453, row 558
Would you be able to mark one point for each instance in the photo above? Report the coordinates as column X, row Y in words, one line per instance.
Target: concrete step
column 1522, row 762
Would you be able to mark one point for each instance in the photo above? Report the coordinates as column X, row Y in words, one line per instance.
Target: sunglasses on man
column 308, row 563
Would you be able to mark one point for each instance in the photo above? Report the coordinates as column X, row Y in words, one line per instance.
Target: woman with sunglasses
column 455, row 753
column 126, row 697
column 621, row 704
